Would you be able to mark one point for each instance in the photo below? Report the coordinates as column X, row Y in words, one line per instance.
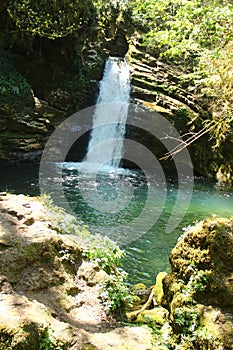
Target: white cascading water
column 106, row 142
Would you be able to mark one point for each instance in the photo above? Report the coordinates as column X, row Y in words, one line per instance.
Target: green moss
column 157, row 315
column 158, row 288
column 14, row 89
column 24, row 337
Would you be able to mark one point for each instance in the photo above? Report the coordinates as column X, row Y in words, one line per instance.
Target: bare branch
column 185, row 143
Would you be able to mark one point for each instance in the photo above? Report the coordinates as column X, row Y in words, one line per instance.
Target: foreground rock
column 199, row 291
column 49, row 294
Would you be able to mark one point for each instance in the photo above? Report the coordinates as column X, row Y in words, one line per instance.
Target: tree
column 50, row 18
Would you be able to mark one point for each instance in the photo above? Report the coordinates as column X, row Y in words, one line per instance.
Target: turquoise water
column 148, row 254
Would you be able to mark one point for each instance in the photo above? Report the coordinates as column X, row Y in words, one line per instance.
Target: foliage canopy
column 180, row 29
column 198, row 36
column 50, row 19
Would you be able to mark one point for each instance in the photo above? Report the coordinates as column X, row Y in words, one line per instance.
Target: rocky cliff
column 168, row 90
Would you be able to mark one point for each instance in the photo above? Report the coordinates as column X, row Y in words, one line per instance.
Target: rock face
column 163, row 88
column 158, row 84
column 23, row 135
column 49, row 295
column 199, row 291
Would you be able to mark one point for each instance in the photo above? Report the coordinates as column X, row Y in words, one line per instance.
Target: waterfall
column 106, row 141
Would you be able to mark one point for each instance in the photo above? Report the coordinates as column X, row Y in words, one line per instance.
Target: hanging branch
column 183, row 144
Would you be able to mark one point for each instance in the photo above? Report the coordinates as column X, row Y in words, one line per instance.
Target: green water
column 149, row 253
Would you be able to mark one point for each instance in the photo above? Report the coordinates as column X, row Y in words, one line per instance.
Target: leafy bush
column 105, row 252
column 50, row 19
column 182, row 29
column 115, row 294
column 187, row 320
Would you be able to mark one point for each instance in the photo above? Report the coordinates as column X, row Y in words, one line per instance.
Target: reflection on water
column 122, row 196
column 19, row 178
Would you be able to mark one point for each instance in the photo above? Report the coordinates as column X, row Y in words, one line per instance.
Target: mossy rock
column 141, row 291
column 27, row 336
column 171, row 288
column 158, row 288
column 218, row 326
column 158, row 315
column 199, row 289
column 207, row 247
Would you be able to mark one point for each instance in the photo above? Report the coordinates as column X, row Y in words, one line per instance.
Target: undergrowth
column 49, row 342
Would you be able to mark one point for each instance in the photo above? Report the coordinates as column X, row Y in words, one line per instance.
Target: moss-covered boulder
column 204, row 255
column 158, row 287
column 158, row 316
column 199, row 290
column 142, row 291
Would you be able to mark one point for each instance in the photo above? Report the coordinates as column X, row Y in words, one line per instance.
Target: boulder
column 199, row 291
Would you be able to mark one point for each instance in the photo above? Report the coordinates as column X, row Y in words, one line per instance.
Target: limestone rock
column 208, row 246
column 219, row 325
column 48, row 293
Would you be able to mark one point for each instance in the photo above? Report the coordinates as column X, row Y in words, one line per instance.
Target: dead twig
column 183, row 144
